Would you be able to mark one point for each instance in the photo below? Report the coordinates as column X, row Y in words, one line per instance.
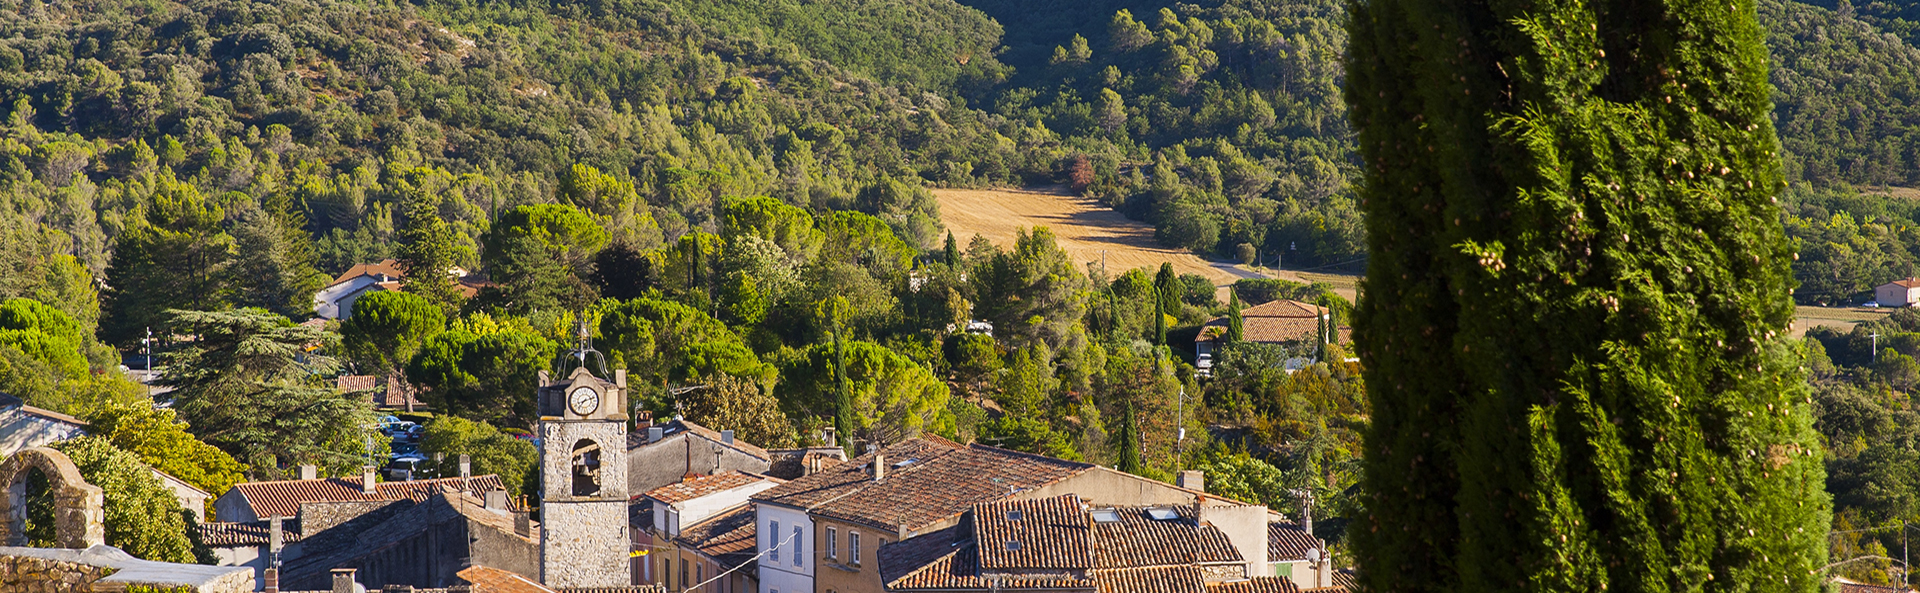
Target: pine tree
column 427, row 252
column 1576, row 300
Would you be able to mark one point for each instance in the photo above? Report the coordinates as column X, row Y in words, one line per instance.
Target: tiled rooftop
column 1045, row 533
column 703, row 485
column 1287, row 542
column 253, row 533
column 1139, row 540
column 927, row 480
column 1127, row 551
column 727, row 537
column 1255, row 585
column 493, row 580
column 1156, row 579
column 283, row 498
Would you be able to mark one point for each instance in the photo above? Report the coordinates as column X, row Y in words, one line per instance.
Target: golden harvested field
column 1086, row 228
column 1843, row 318
column 1083, row 227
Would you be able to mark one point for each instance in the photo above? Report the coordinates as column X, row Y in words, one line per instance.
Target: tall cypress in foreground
column 1575, row 309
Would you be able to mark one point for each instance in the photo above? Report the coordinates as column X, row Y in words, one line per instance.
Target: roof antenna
column 578, row 357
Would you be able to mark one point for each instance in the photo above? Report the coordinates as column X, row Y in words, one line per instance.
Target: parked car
column 405, row 467
column 1203, row 365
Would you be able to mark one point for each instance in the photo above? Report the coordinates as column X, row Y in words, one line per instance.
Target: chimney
column 1192, row 480
column 275, row 538
column 497, row 500
column 309, row 472
column 726, row 436
column 879, row 466
column 523, row 524
column 466, row 466
column 1306, row 517
column 270, row 580
column 827, row 437
column 654, row 434
column 367, row 478
column 343, row 581
column 642, row 419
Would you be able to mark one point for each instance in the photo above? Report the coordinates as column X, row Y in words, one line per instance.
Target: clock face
column 583, row 401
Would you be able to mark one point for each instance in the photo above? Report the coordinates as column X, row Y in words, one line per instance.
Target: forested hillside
column 735, row 195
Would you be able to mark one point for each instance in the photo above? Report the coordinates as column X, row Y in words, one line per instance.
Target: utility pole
column 146, row 346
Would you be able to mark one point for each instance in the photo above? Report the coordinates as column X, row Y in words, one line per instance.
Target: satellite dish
column 1313, row 556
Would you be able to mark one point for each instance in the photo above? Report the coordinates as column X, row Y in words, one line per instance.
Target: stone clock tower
column 583, row 476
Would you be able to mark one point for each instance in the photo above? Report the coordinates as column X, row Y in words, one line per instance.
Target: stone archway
column 78, row 507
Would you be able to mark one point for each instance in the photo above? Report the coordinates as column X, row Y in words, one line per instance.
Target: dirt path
column 1086, row 229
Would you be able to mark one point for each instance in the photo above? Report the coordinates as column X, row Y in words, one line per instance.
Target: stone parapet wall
column 21, row 574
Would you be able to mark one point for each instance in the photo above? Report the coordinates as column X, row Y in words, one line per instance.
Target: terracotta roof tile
column 702, row 485
column 1903, row 283
column 352, row 383
column 252, row 533
column 1867, row 588
column 1287, row 542
column 1255, row 585
column 1044, row 533
column 728, row 537
column 283, row 498
column 1139, row 540
column 927, row 480
column 389, row 267
column 1271, row 322
column 1158, row 579
column 959, row 569
column 493, row 580
column 789, row 464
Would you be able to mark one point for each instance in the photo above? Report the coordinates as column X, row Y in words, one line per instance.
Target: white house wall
column 783, row 576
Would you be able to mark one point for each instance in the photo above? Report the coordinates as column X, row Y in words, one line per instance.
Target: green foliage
column 163, row 442
column 172, row 257
column 1575, row 298
column 250, row 386
column 662, row 341
column 489, row 450
column 428, row 251
column 1241, row 477
column 731, row 403
column 489, row 377
column 142, row 516
column 386, row 328
column 889, row 398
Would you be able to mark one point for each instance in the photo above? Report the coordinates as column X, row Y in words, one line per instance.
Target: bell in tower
column 583, row 482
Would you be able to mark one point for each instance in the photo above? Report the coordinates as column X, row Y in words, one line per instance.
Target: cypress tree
column 952, row 250
column 1576, row 300
column 1236, row 326
column 1159, row 317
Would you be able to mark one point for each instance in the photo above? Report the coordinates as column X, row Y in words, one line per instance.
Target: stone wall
column 19, row 574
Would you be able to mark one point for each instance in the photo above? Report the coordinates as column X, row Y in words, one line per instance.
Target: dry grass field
column 1086, row 229
column 1843, row 318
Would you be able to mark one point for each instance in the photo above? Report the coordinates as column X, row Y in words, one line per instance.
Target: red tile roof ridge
column 978, row 445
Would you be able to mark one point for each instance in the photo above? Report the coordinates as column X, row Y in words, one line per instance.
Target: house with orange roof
column 335, row 300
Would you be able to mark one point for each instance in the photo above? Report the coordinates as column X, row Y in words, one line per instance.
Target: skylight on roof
column 1162, row 514
column 1013, row 515
column 905, row 463
column 1013, row 546
column 1105, row 516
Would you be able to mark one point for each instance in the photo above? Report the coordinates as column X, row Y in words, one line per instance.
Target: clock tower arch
column 583, row 475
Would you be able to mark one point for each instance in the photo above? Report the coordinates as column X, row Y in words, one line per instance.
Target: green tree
column 428, row 250
column 1576, row 304
column 889, row 397
column 249, row 385
column 740, row 405
column 661, row 341
column 174, row 257
column 163, row 442
column 273, row 265
column 490, row 377
column 386, row 328
column 143, row 518
column 487, row 449
column 613, row 201
column 1236, row 325
column 1034, row 292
